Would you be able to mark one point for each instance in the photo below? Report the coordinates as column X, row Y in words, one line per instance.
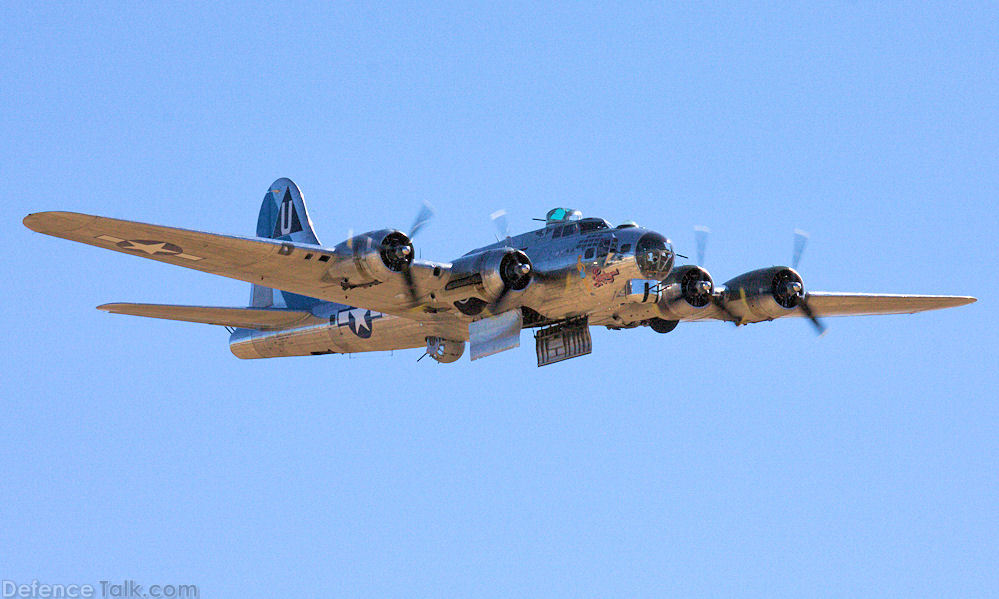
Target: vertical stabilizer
column 283, row 216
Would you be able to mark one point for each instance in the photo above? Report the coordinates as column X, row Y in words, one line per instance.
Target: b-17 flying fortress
column 370, row 293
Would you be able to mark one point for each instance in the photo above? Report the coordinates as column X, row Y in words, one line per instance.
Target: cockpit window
column 592, row 224
column 565, row 231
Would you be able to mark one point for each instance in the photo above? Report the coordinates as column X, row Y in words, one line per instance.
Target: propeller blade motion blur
column 800, row 241
column 701, row 236
column 422, row 218
column 502, row 226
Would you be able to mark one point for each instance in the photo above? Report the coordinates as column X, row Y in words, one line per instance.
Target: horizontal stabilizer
column 243, row 318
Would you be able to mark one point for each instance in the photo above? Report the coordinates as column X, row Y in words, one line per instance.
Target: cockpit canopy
column 561, row 216
column 558, row 216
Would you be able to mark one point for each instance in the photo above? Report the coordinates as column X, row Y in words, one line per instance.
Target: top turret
column 557, row 216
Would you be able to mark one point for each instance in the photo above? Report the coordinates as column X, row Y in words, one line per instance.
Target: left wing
column 296, row 267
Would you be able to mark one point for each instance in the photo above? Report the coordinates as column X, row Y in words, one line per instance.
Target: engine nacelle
column 764, row 294
column 685, row 292
column 443, row 350
column 372, row 256
column 489, row 274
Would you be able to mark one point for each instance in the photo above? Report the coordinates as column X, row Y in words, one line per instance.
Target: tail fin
column 283, row 216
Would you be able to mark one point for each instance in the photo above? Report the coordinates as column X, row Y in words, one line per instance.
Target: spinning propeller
column 800, row 240
column 796, row 289
column 515, row 271
column 502, row 226
column 701, row 239
column 422, row 218
column 396, row 250
column 515, row 268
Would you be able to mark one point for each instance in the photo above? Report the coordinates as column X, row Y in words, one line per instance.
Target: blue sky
column 709, row 462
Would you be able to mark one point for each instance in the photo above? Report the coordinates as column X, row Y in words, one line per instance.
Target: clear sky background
column 710, row 462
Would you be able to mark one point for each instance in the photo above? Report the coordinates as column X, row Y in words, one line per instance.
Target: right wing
column 296, row 267
column 833, row 303
column 245, row 318
column 828, row 303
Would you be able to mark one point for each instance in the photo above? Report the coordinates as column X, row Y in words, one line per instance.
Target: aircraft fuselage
column 578, row 273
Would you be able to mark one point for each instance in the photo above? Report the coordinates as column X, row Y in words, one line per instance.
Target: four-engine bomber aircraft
column 369, row 293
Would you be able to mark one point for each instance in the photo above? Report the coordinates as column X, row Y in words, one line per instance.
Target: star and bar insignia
column 150, row 247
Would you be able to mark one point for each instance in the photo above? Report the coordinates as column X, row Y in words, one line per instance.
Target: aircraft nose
column 655, row 256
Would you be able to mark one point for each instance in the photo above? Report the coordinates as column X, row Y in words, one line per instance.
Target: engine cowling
column 764, row 294
column 490, row 274
column 373, row 256
column 685, row 292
